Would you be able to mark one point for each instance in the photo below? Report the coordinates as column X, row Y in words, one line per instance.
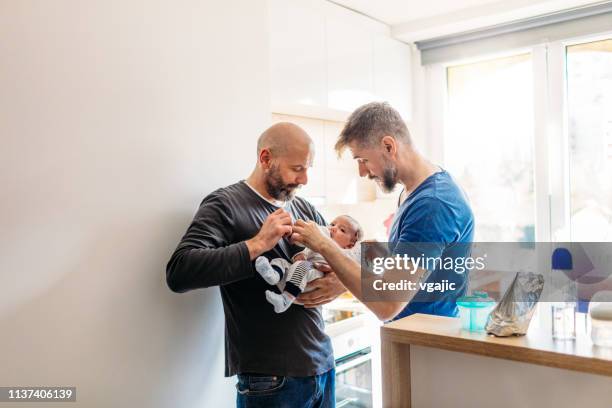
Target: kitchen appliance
column 354, row 380
column 352, row 334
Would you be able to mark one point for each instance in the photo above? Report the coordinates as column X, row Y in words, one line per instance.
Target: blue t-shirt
column 436, row 221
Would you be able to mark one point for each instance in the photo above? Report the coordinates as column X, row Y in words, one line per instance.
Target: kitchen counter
column 427, row 332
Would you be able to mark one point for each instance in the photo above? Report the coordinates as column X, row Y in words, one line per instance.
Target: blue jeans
column 266, row 391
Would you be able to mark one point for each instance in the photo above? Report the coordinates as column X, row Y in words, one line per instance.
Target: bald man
column 280, row 359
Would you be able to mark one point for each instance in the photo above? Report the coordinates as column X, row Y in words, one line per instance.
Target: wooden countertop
column 537, row 347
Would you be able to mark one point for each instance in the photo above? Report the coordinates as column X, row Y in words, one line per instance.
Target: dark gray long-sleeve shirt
column 213, row 253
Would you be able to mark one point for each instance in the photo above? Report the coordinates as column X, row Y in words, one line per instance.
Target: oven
column 352, row 336
column 354, row 380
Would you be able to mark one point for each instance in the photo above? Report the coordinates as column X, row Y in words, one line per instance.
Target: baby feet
column 263, row 267
column 280, row 302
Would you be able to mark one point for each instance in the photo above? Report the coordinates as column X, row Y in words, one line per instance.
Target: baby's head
column 345, row 231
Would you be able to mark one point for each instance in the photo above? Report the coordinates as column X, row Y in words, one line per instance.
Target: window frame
column 551, row 151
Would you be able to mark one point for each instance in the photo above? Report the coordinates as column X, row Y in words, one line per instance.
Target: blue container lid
column 562, row 259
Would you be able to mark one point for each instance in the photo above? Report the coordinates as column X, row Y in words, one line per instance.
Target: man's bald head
column 284, row 154
column 282, row 137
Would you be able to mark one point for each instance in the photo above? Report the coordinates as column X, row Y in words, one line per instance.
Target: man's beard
column 388, row 180
column 277, row 188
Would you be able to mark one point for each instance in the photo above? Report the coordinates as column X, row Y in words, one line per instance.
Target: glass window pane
column 589, row 97
column 488, row 144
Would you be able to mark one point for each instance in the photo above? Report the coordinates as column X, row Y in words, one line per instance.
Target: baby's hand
column 300, row 256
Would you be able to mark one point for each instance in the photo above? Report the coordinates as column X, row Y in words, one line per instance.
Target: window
column 488, row 144
column 529, row 137
column 589, row 102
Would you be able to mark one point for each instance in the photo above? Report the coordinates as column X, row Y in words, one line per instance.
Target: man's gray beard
column 389, row 179
column 276, row 188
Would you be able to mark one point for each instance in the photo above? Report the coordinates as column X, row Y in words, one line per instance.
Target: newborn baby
column 344, row 230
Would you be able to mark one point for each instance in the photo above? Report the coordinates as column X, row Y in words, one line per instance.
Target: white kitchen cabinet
column 349, row 66
column 315, row 188
column 392, row 73
column 298, row 71
column 332, row 132
column 326, row 61
column 343, row 184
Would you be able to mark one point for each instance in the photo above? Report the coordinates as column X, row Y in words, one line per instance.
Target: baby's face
column 343, row 232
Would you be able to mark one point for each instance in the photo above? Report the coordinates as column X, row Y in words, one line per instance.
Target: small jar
column 474, row 310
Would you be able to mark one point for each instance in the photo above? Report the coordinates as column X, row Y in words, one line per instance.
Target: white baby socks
column 280, row 302
column 270, row 275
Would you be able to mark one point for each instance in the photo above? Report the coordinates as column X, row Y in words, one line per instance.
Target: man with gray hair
column 280, row 360
column 433, row 220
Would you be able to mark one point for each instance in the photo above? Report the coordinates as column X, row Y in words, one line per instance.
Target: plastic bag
column 513, row 313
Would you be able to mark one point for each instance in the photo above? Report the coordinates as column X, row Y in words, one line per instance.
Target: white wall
column 116, row 118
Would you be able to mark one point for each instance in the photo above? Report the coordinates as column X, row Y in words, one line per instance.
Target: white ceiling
column 414, row 20
column 398, row 11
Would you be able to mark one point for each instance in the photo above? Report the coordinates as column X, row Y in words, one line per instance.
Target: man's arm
column 206, row 256
column 349, row 271
column 326, row 288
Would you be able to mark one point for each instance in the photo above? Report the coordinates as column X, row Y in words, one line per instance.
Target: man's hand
column 324, row 290
column 308, row 234
column 276, row 226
